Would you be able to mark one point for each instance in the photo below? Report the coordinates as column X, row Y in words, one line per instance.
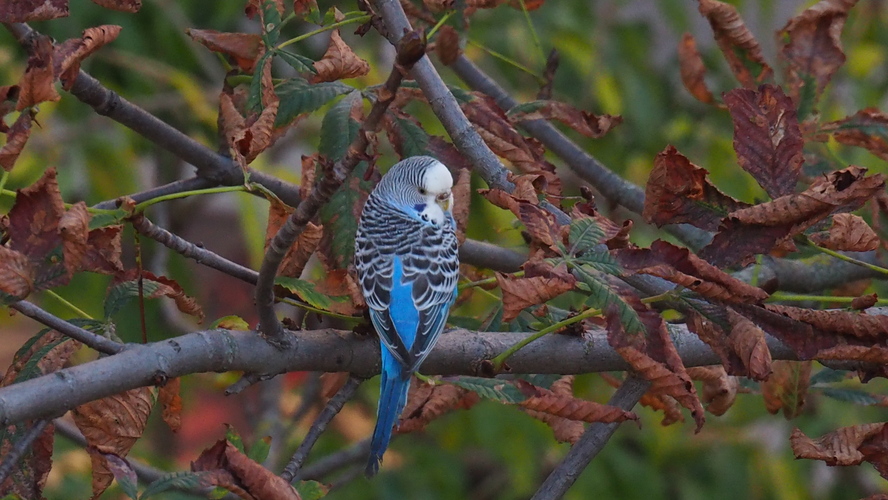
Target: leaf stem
column 486, row 281
column 3, row 178
column 508, row 60
column 307, row 307
column 501, row 359
column 185, row 194
column 76, row 310
column 440, row 23
column 794, row 297
column 851, row 260
column 361, row 19
column 533, row 33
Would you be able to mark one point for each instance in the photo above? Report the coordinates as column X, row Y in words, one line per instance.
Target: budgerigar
column 407, row 264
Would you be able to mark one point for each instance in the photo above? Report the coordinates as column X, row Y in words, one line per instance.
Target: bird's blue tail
column 392, row 398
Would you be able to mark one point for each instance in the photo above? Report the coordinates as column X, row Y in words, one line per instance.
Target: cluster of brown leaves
column 23, row 11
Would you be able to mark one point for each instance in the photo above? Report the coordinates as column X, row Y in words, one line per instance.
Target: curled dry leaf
column 719, row 389
column 868, row 128
column 540, row 224
column 113, row 425
column 692, row 69
column 428, row 402
column 170, row 399
column 848, row 233
column 657, row 402
column 339, row 62
column 244, row 48
column 563, row 429
column 236, row 472
column 839, row 447
column 682, row 267
column 571, row 408
column 787, row 387
column 447, row 45
column 813, row 46
column 70, row 54
column 767, row 137
column 588, row 124
column 462, row 200
column 737, row 43
column 520, row 293
column 852, row 324
column 165, row 287
column 297, row 256
column 875, row 451
column 748, row 341
column 864, row 302
column 718, row 341
column 16, row 138
column 131, row 6
column 680, row 192
column 23, row 11
column 37, row 84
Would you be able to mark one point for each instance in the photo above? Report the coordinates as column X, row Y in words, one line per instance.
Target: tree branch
column 97, row 342
column 354, row 454
column 320, row 425
column 410, row 49
column 457, row 352
column 592, row 442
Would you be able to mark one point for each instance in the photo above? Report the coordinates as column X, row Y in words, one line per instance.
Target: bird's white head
column 437, row 184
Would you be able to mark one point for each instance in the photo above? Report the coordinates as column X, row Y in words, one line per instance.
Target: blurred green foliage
column 616, row 57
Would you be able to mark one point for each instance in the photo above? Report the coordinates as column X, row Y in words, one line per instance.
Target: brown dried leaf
column 28, row 477
column 238, row 473
column 74, row 230
column 339, row 62
column 653, row 356
column 813, row 47
column 680, row 266
column 429, row 402
column 588, row 124
column 70, row 54
column 447, row 45
column 166, row 288
column 718, row 341
column 103, row 251
column 571, row 408
column 23, row 11
column 875, row 451
column 787, row 387
column 171, row 403
column 853, row 324
column 233, row 128
column 719, row 389
column 693, row 70
column 737, row 43
column 16, row 281
column 462, row 200
column 244, row 48
column 113, row 425
column 865, row 129
column 540, row 224
column 131, row 6
column 748, row 341
column 849, row 233
column 16, row 138
column 563, row 429
column 37, row 84
column 767, row 137
column 520, row 293
column 864, row 302
column 680, row 192
column 839, row 447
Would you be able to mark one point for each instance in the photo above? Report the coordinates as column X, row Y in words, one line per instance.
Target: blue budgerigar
column 407, row 264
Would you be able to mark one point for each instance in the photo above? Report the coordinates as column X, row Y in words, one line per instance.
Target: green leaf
column 271, row 30
column 123, row 293
column 31, row 368
column 490, row 388
column 259, row 451
column 124, row 474
column 854, row 396
column 254, row 97
column 410, row 139
column 311, row 490
column 526, row 107
column 601, row 261
column 602, row 297
column 540, row 380
column 298, row 96
column 175, row 481
column 307, row 292
column 828, row 376
column 300, row 63
column 585, row 234
column 105, row 219
column 233, row 437
column 231, row 323
column 338, row 129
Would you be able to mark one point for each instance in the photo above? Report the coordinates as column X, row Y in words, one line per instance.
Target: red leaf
column 236, row 472
column 737, row 43
column 692, row 69
column 23, row 11
column 131, row 6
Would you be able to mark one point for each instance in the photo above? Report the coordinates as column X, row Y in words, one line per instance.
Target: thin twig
column 320, row 425
column 179, row 186
column 97, row 342
column 412, row 47
column 592, row 442
column 357, row 453
column 20, row 448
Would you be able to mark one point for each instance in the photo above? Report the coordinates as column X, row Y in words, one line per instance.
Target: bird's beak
column 445, row 200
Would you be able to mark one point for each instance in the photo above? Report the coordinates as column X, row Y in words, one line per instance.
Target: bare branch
column 411, row 48
column 592, row 442
column 21, row 446
column 457, row 352
column 97, row 342
column 320, row 425
column 490, row 256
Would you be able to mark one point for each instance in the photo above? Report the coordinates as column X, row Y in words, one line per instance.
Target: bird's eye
column 422, row 191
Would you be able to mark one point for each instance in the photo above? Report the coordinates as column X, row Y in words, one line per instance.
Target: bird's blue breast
column 402, row 309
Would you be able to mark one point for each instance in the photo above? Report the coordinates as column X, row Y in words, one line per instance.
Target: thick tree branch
column 457, row 352
column 591, row 443
column 412, row 47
